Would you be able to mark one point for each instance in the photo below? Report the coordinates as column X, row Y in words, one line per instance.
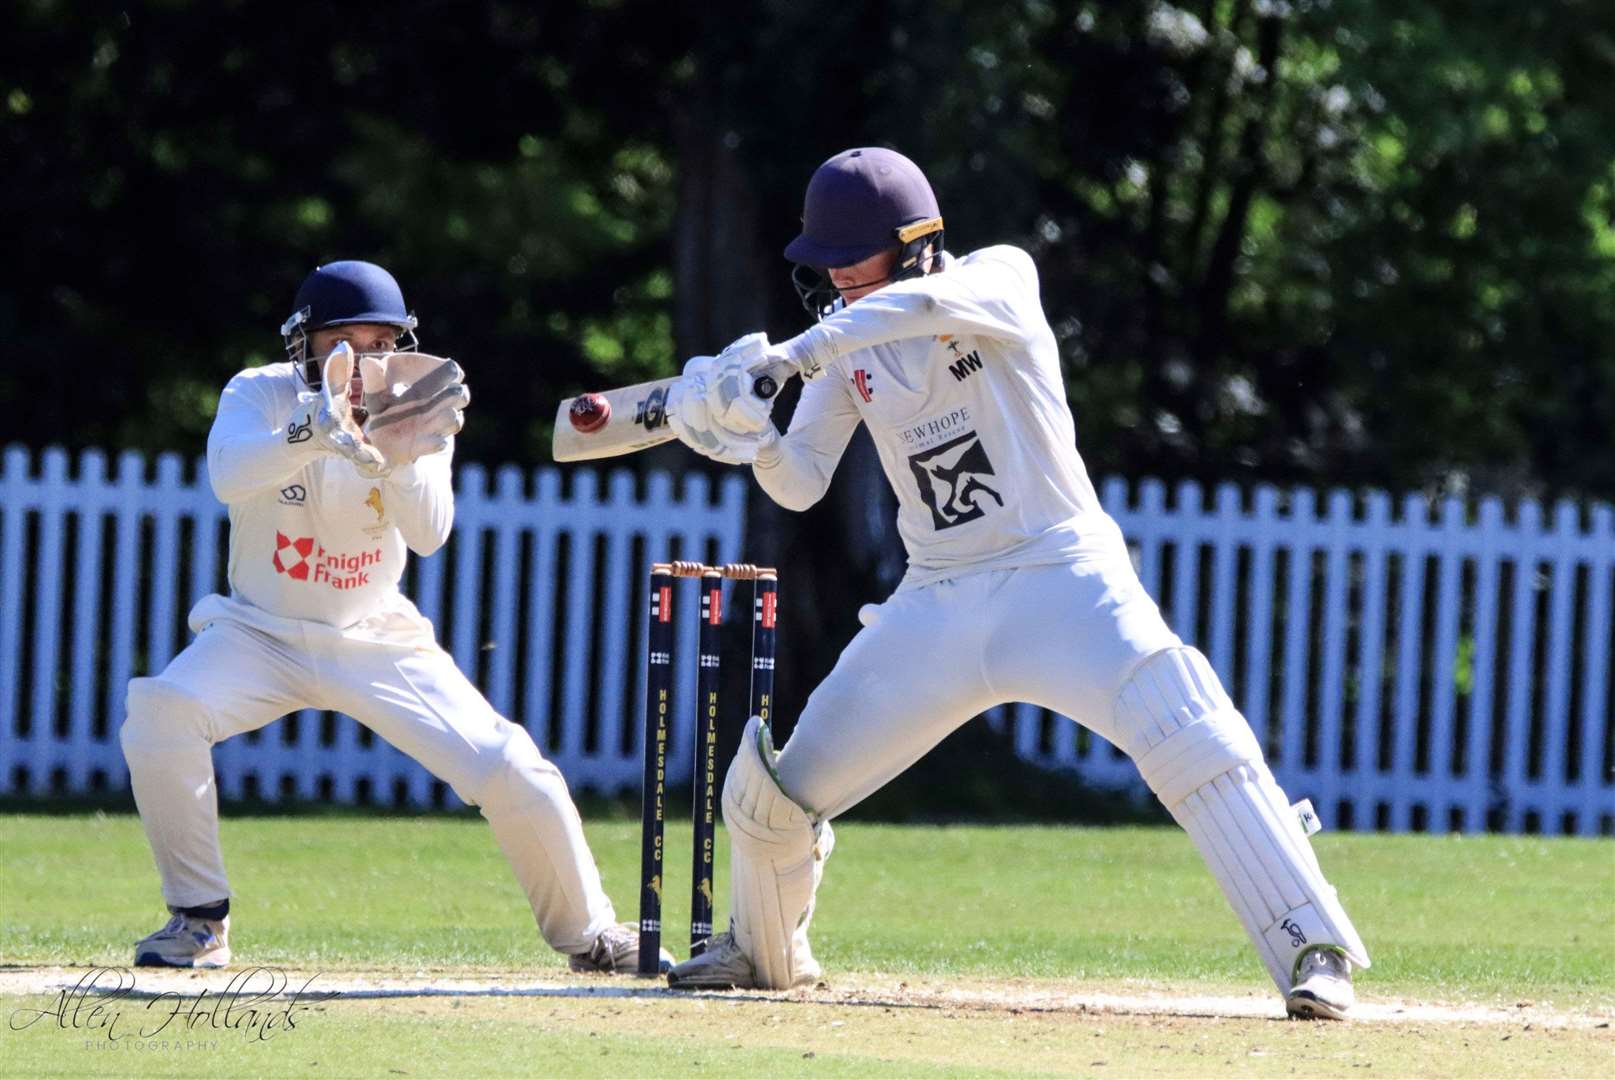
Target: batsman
column 1019, row 586
column 334, row 465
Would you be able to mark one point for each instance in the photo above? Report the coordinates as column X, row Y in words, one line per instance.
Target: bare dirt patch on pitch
column 1015, row 997
column 439, row 1023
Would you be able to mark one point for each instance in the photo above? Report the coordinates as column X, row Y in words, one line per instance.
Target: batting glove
column 690, row 415
column 732, row 400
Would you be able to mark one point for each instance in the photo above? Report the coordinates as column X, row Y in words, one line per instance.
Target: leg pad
column 777, row 859
column 1199, row 756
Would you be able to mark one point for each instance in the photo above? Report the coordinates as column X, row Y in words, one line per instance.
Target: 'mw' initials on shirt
column 969, row 363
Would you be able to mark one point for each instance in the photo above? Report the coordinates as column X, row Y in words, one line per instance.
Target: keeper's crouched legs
column 1199, row 756
column 525, row 800
column 167, row 740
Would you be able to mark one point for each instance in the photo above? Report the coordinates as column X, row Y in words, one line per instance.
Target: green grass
column 990, row 910
column 1450, row 917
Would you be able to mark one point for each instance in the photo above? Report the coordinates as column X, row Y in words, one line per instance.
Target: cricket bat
column 628, row 419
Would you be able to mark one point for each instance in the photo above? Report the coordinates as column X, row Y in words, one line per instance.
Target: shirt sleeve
column 796, row 471
column 247, row 448
column 420, row 497
column 992, row 294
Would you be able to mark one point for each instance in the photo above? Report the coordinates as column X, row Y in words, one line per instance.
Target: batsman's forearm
column 792, row 474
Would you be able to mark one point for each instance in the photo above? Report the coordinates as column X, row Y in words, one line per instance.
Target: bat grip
column 766, row 384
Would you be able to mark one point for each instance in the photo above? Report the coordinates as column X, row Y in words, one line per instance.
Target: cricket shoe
column 187, row 941
column 1322, row 989
column 616, row 951
column 723, row 967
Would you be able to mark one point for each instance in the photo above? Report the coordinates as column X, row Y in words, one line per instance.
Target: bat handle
column 767, row 382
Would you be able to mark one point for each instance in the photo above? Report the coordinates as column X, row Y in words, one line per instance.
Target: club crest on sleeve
column 865, row 384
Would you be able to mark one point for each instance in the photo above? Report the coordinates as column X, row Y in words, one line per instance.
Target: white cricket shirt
column 310, row 538
column 957, row 376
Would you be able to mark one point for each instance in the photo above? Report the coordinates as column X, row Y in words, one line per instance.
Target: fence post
column 1522, row 620
column 83, row 753
column 1597, row 793
column 47, row 606
column 14, row 501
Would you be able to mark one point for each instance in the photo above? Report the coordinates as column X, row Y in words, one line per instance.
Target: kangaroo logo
column 950, row 479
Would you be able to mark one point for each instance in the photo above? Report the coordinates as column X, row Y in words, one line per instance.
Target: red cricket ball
column 589, row 413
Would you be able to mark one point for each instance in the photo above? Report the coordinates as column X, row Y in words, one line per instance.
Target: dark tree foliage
column 173, row 170
column 1357, row 242
column 1299, row 240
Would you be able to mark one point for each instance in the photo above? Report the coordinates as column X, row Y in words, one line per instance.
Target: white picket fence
column 1405, row 671
column 538, row 596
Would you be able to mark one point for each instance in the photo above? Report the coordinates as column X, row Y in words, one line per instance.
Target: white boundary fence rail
column 1405, row 672
column 539, row 596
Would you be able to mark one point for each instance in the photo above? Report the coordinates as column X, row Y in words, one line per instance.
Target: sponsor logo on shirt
column 300, row 433
column 950, row 479
column 291, row 556
column 864, row 381
column 293, row 495
column 936, row 429
column 301, row 559
column 947, row 339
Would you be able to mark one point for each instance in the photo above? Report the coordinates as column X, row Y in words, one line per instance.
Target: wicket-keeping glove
column 328, row 415
column 415, row 401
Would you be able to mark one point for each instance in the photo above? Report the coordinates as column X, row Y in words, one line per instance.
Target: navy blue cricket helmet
column 341, row 293
column 858, row 203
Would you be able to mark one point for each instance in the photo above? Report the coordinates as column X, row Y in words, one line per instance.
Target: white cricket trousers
column 1085, row 640
column 235, row 678
column 1063, row 637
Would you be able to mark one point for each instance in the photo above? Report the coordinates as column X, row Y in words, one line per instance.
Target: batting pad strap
column 1192, row 757
column 774, row 864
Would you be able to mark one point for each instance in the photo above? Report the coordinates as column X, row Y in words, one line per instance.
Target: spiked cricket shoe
column 188, row 942
column 1322, row 989
column 615, row 951
column 723, row 966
